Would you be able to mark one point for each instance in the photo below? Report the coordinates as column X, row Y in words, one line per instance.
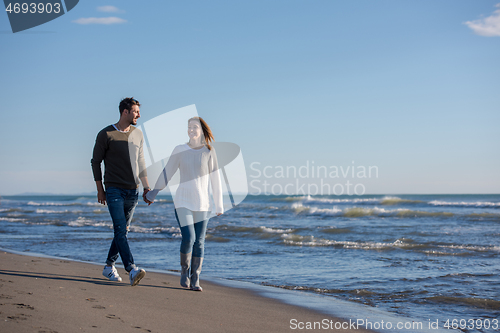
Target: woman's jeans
column 193, row 229
column 121, row 204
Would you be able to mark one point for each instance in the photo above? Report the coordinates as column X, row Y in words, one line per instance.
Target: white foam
column 48, row 211
column 82, row 222
column 328, row 200
column 154, row 230
column 465, row 203
column 276, row 231
column 11, row 219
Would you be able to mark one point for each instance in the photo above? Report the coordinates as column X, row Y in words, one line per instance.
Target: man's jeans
column 121, row 204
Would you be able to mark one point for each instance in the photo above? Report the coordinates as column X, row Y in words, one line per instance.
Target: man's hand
column 144, row 197
column 101, row 194
column 101, row 197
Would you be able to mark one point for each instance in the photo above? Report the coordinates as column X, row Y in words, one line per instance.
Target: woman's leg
column 186, row 223
column 200, row 227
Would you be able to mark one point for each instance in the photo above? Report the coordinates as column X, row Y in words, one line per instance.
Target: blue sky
column 408, row 86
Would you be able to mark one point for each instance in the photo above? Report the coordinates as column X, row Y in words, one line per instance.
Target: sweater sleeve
column 142, row 163
column 216, row 182
column 100, row 148
column 166, row 174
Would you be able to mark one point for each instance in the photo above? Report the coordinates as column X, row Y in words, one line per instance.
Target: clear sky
column 411, row 87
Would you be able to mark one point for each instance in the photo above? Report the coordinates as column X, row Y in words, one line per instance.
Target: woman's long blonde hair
column 207, row 132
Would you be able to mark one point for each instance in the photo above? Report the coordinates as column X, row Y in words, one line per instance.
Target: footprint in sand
column 20, row 316
column 99, row 307
column 46, row 330
column 112, row 316
column 24, row 306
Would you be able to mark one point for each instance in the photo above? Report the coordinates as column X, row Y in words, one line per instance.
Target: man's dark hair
column 127, row 103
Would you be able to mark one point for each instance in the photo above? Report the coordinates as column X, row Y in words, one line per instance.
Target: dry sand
column 53, row 295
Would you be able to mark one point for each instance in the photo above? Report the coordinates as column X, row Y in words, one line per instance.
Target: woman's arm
column 166, row 175
column 216, row 183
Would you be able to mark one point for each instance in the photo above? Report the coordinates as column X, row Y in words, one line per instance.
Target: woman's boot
column 185, row 265
column 196, row 264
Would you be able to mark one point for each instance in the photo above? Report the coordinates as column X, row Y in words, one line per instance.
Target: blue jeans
column 193, row 230
column 121, row 204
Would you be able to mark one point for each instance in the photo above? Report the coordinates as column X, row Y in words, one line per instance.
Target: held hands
column 144, row 197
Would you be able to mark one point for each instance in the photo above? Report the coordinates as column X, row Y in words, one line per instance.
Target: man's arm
column 98, row 154
column 143, row 174
column 101, row 195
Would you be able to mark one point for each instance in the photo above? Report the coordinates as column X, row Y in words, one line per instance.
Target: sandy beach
column 54, row 295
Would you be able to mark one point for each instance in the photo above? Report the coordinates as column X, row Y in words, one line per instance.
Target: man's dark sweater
column 123, row 156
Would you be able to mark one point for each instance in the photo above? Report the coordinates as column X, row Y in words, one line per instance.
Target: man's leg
column 121, row 207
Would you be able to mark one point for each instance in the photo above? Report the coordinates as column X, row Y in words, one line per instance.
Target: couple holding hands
column 120, row 146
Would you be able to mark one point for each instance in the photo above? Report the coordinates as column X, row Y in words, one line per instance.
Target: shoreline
column 236, row 306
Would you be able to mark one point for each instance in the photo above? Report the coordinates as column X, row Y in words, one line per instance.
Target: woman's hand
column 144, row 197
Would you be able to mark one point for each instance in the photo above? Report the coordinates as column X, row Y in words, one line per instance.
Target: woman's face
column 194, row 129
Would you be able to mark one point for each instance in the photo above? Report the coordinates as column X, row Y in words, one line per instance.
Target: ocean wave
column 355, row 212
column 484, row 303
column 84, row 222
column 334, row 230
column 260, row 232
column 310, row 199
column 309, row 240
column 48, row 211
column 354, row 292
column 294, row 198
column 403, row 243
column 12, row 219
column 479, row 204
column 49, row 203
column 396, row 201
column 155, row 230
column 387, row 200
column 10, row 210
column 483, row 216
column 475, row 248
column 299, row 208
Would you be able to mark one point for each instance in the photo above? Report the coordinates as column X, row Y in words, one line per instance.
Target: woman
column 198, row 166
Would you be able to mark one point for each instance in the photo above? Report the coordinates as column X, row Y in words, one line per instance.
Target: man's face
column 133, row 114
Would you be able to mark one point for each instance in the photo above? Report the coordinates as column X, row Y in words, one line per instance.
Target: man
column 120, row 146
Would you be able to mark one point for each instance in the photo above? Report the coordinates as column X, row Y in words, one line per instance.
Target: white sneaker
column 136, row 275
column 111, row 273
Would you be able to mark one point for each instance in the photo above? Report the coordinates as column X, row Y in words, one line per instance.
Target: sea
column 425, row 257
